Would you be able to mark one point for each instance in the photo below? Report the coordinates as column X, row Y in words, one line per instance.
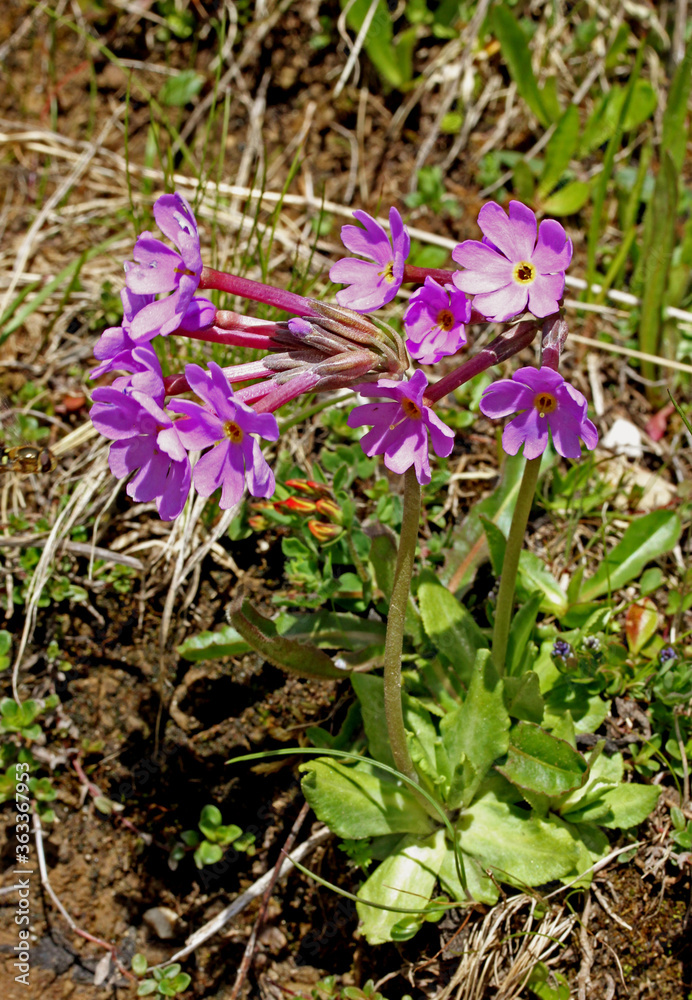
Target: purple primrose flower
column 371, row 285
column 435, row 322
column 160, row 270
column 235, row 457
column 542, row 401
column 145, row 441
column 510, row 270
column 400, row 427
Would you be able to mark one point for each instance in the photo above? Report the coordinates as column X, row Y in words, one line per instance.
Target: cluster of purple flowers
column 518, row 266
column 147, row 440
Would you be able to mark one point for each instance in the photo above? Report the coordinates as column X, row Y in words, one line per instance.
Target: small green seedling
column 209, row 848
column 168, row 982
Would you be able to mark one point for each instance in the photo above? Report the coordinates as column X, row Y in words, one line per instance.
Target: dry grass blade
column 501, row 952
column 84, row 494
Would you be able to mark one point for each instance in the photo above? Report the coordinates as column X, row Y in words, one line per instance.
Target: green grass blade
column 516, row 53
column 656, row 261
column 559, row 150
column 601, row 187
column 674, row 134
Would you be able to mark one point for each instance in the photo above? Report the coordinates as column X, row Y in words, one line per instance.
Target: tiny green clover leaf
column 139, row 964
column 207, row 854
column 210, row 821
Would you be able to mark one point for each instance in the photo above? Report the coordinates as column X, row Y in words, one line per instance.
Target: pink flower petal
column 487, row 270
column 441, row 436
column 515, row 236
column 545, row 294
column 371, row 242
column 523, row 223
column 176, row 491
column 502, row 304
column 527, row 429
column 505, row 397
column 258, row 475
column 401, row 240
column 539, row 379
column 553, row 251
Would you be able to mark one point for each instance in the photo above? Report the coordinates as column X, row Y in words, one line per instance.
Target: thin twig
column 45, row 882
column 250, row 946
column 214, row 925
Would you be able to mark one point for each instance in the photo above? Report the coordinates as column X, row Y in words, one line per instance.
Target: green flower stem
column 395, row 626
column 505, row 598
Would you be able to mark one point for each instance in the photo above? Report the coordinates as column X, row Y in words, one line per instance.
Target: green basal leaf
column 607, row 117
column 519, row 847
column 622, row 807
column 469, row 546
column 497, row 543
column 567, row 200
column 547, row 984
column 520, row 633
column 333, row 630
column 656, row 260
column 540, row 763
column 180, row 89
column 517, row 55
column 463, row 783
column 586, row 708
column 301, row 658
column 646, row 539
column 406, row 878
column 369, row 690
column 522, row 697
column 559, row 151
column 383, row 560
column 356, row 802
column 674, row 134
column 605, row 773
column 534, row 575
column 523, row 181
column 213, row 645
column 393, row 66
column 480, row 727
column 449, row 626
column 481, row 887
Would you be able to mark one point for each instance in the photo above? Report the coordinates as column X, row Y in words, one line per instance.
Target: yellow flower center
column 233, row 432
column 410, row 409
column 388, row 273
column 445, row 320
column 524, row 272
column 545, row 402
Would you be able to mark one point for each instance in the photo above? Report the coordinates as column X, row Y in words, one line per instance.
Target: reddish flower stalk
column 232, row 338
column 508, row 343
column 298, row 305
column 419, row 274
column 554, row 335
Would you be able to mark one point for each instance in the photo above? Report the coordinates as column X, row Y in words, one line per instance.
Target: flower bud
column 258, row 523
column 330, row 508
column 308, row 486
column 324, row 532
column 298, row 505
